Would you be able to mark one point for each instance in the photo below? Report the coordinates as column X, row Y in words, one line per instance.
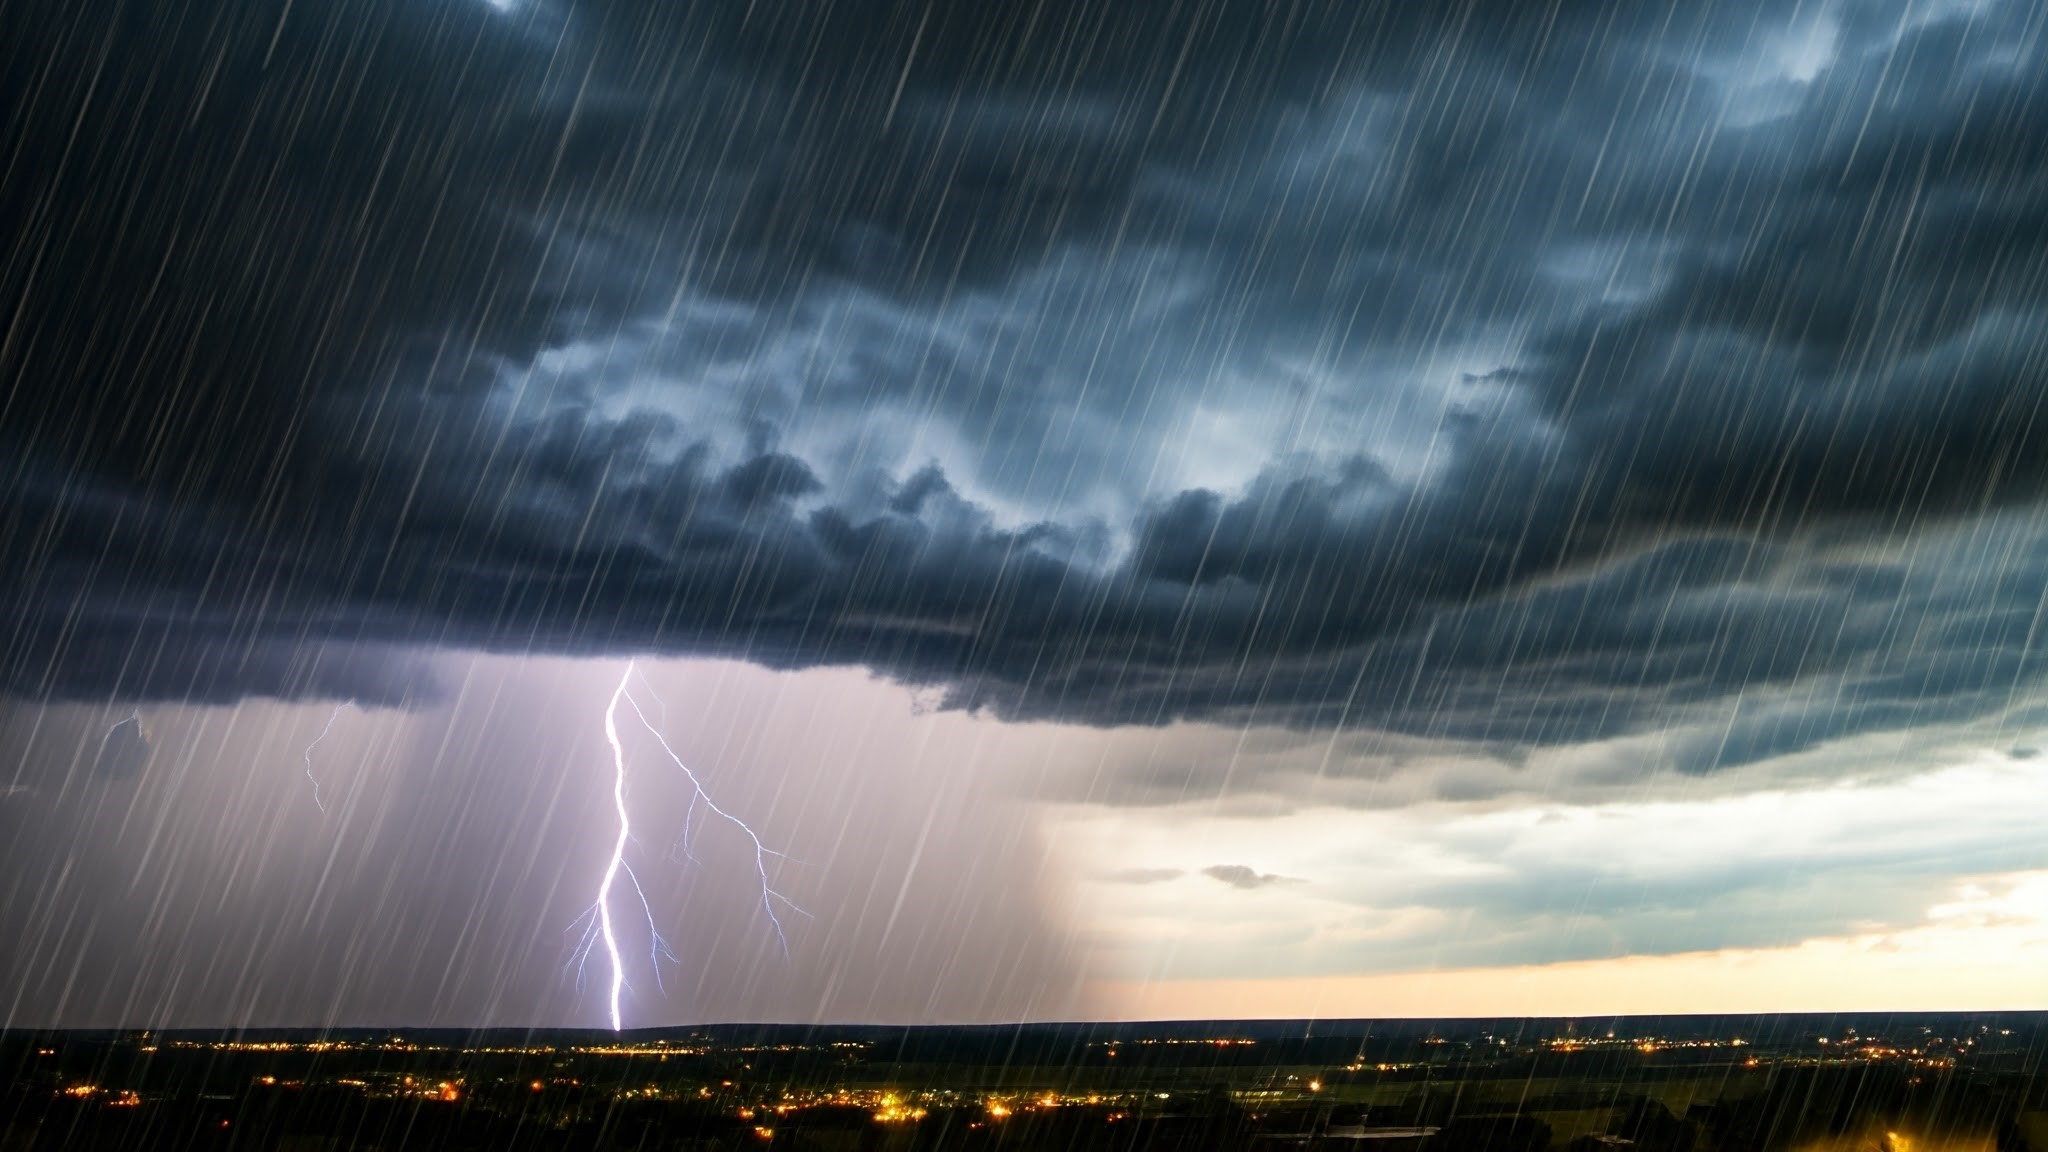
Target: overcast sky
column 1322, row 508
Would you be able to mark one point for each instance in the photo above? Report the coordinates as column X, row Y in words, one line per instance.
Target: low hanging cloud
column 1392, row 369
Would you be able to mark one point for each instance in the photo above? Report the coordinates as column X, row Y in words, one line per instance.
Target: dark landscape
column 1869, row 1083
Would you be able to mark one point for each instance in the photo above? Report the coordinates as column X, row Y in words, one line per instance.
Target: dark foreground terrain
column 1677, row 1084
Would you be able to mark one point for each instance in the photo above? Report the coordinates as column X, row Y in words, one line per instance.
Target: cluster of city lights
column 1170, row 1041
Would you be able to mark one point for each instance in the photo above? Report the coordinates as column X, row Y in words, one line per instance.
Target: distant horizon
column 1267, row 1024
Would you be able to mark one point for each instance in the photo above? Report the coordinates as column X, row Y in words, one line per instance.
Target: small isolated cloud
column 1239, row 876
column 1142, row 875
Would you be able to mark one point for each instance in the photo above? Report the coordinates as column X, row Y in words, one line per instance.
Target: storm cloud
column 1479, row 372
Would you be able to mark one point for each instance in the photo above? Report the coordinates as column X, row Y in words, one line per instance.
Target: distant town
column 1673, row 1084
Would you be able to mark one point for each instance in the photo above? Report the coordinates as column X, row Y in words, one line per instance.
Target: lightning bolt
column 134, row 717
column 657, row 948
column 611, row 871
column 689, row 817
column 769, row 896
column 308, row 755
column 596, row 921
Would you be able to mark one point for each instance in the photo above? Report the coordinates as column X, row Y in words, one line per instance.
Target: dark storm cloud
column 1484, row 371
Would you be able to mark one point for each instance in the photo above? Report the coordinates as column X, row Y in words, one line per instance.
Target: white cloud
column 1442, row 883
column 1977, row 952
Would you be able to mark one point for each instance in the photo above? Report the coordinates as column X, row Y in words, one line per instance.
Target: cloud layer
column 1481, row 373
column 1450, row 884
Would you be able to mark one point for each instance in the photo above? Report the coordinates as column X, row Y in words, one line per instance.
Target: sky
column 1221, row 508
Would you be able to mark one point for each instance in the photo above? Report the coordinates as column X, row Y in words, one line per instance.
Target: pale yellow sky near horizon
column 1986, row 951
column 1857, row 882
